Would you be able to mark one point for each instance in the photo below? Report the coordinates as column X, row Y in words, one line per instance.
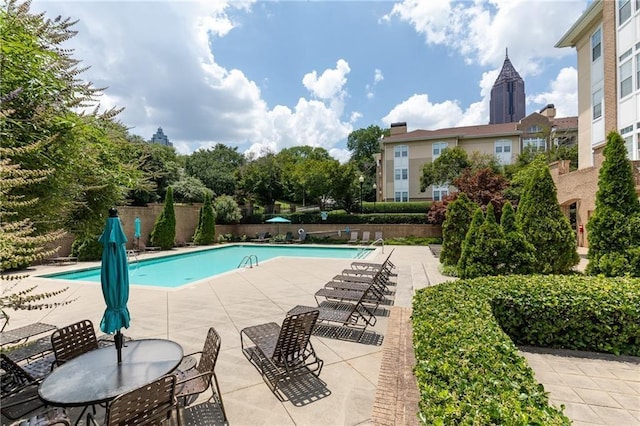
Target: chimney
column 398, row 128
column 549, row 111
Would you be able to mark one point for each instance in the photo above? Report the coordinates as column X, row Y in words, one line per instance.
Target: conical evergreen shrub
column 468, row 243
column 163, row 234
column 543, row 223
column 454, row 229
column 519, row 254
column 485, row 251
column 614, row 235
column 206, row 230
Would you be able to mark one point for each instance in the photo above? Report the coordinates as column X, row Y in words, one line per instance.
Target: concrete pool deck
column 362, row 381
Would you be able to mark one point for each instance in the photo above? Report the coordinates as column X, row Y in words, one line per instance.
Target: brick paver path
column 397, row 394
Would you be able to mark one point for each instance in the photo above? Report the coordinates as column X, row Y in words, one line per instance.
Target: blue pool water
column 180, row 269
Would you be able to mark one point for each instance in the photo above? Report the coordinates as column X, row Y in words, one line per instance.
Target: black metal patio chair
column 283, row 352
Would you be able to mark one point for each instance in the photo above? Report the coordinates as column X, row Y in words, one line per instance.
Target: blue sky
column 267, row 75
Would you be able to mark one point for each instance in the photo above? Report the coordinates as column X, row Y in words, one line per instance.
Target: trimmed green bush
column 163, row 234
column 486, row 248
column 543, row 223
column 206, row 230
column 226, row 210
column 519, row 254
column 468, row 250
column 614, row 234
column 455, row 227
column 469, row 370
column 393, row 207
column 582, row 313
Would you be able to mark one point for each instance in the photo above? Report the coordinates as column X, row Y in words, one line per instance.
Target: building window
column 628, row 143
column 401, row 174
column 624, row 11
column 437, row 149
column 534, row 144
column 502, row 151
column 534, row 129
column 439, row 192
column 597, row 104
column 401, row 196
column 638, row 71
column 596, row 45
column 401, row 151
column 626, row 82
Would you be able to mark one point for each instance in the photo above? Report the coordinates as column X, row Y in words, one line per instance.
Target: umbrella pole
column 118, row 340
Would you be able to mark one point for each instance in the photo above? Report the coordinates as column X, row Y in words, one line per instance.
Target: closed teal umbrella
column 114, row 277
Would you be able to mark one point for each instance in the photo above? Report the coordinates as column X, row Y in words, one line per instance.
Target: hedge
column 341, row 217
column 469, row 370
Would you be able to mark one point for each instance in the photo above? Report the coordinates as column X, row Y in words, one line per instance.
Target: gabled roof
column 566, row 123
column 478, row 131
column 475, row 132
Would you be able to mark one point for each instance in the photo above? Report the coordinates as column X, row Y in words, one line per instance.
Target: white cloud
column 420, row 113
column 563, row 93
column 377, row 76
column 156, row 60
column 481, row 30
column 330, row 84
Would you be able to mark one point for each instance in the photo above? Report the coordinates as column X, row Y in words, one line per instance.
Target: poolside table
column 96, row 377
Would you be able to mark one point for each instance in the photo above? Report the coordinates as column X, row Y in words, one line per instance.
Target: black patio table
column 96, row 377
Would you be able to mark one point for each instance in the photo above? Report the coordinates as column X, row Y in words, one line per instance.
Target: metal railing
column 247, row 261
column 379, row 240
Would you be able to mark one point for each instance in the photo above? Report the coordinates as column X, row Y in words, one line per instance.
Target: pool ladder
column 247, row 261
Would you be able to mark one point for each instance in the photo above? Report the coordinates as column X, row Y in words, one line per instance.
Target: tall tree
column 163, row 234
column 485, row 252
column 19, row 243
column 543, row 223
column 216, row 168
column 305, row 173
column 363, row 144
column 85, row 154
column 468, row 245
column 262, row 179
column 206, row 230
column 614, row 237
column 519, row 254
column 161, row 167
column 45, row 81
column 455, row 227
column 444, row 169
column 344, row 187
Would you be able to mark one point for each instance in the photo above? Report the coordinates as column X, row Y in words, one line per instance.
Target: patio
column 247, row 297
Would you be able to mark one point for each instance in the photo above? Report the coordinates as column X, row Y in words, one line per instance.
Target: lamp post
column 375, row 196
column 361, row 180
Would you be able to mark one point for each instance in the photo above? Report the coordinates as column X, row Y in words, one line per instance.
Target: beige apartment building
column 607, row 41
column 404, row 154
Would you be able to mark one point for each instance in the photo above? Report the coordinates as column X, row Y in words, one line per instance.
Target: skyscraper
column 507, row 104
column 160, row 138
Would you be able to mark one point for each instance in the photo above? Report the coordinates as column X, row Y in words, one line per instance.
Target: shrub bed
column 469, row 370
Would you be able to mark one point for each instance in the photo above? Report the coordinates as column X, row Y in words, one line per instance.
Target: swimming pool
column 179, row 269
